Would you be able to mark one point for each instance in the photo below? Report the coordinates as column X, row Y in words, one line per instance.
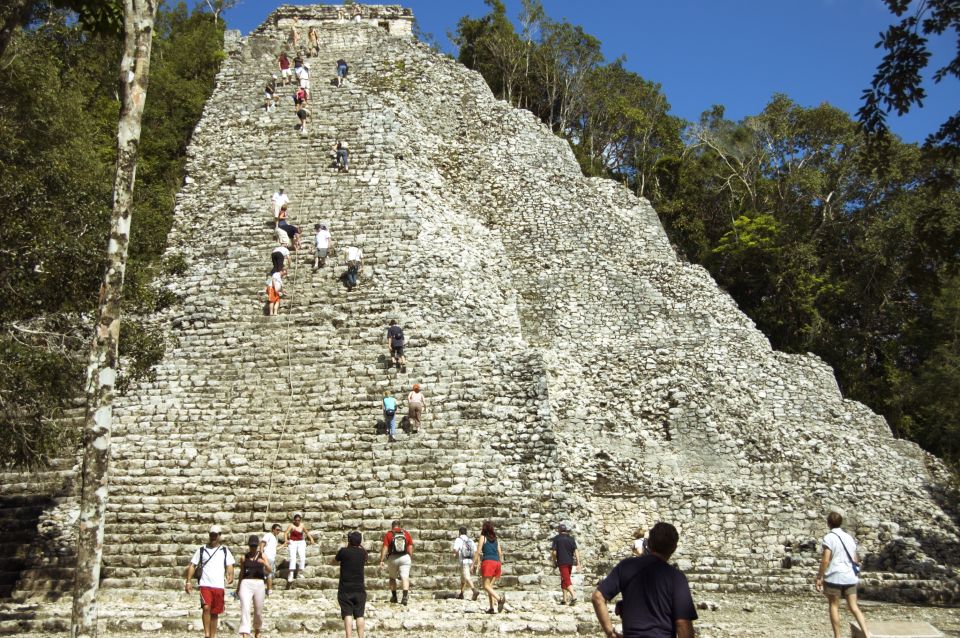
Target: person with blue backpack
column 390, row 415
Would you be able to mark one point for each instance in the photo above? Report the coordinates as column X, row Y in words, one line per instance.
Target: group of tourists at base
column 655, row 596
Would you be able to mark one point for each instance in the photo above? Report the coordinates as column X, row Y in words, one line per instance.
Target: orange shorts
column 272, row 295
column 490, row 569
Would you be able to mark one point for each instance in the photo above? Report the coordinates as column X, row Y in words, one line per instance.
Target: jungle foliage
column 59, row 109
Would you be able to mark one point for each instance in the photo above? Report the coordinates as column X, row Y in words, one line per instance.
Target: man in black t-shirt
column 656, row 596
column 566, row 556
column 396, row 341
column 351, row 591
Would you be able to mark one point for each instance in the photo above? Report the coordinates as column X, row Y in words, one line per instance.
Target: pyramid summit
column 575, row 369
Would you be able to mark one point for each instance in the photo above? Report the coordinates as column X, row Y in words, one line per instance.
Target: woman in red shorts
column 490, row 549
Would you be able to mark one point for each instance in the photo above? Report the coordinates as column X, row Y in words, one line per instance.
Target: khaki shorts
column 831, row 590
column 465, row 571
column 398, row 565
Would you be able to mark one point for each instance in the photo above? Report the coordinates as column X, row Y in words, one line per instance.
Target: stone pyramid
column 575, row 369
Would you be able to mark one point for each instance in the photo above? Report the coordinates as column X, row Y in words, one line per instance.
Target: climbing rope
column 288, row 330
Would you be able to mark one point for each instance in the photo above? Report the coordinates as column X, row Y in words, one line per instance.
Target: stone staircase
column 574, row 370
column 252, row 418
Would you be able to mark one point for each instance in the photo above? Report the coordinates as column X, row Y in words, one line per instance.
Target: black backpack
column 398, row 337
column 198, row 573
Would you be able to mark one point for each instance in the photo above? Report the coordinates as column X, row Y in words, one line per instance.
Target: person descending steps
column 251, row 588
column 303, row 114
column 286, row 73
column 270, row 96
column 268, row 545
column 212, row 565
column 297, row 535
column 279, row 200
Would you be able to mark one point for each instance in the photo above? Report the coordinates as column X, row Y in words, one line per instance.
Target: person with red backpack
column 396, row 553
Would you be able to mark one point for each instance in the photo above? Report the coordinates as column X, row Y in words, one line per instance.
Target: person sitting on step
column 279, row 200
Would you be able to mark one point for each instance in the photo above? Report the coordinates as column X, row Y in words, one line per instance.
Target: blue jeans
column 352, row 271
column 391, row 420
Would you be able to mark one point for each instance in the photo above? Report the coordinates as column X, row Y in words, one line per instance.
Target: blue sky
column 732, row 52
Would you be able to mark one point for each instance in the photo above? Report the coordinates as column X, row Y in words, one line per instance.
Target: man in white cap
column 279, row 199
column 212, row 565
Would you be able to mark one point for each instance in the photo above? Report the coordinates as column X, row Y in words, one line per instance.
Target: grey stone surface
column 575, row 369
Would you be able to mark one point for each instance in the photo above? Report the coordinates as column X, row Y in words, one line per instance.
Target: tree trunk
column 102, row 368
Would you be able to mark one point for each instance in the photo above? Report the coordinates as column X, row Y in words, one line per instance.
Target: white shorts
column 398, row 565
column 305, row 84
column 286, row 73
column 465, row 568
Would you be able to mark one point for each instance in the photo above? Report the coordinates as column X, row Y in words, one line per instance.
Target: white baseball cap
column 215, row 529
